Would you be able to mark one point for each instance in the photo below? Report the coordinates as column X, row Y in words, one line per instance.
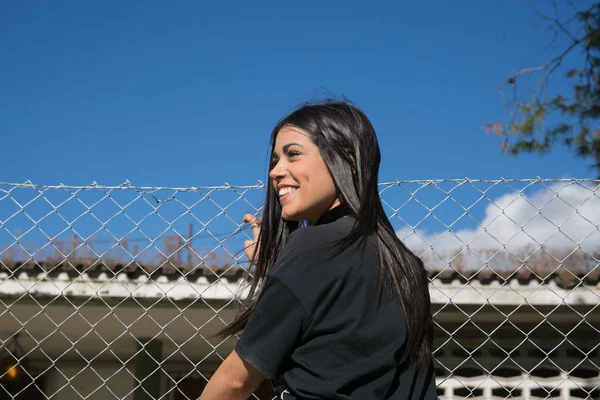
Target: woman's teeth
column 286, row 190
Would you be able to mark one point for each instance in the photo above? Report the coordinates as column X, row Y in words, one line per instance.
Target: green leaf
column 527, row 126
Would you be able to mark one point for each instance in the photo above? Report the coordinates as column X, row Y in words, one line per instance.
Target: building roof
column 225, row 283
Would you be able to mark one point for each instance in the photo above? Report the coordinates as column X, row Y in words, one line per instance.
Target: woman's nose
column 277, row 171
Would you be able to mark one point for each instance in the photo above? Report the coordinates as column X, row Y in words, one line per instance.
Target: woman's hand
column 250, row 245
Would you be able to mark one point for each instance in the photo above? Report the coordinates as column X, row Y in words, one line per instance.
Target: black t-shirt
column 321, row 330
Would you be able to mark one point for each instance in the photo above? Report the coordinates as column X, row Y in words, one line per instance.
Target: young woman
column 338, row 309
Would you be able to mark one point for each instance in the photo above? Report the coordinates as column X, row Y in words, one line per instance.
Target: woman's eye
column 293, row 154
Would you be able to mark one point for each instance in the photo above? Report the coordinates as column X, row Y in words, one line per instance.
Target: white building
column 81, row 335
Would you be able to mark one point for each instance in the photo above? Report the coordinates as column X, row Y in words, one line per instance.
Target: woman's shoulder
column 328, row 232
column 312, row 247
column 308, row 241
column 317, row 262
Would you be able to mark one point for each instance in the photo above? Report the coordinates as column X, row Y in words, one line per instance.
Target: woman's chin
column 290, row 217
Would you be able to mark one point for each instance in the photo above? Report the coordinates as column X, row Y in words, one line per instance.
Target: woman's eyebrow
column 287, row 146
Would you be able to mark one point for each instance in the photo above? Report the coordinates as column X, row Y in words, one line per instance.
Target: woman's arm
column 235, row 379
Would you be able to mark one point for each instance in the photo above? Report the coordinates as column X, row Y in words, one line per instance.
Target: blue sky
column 182, row 94
column 186, row 93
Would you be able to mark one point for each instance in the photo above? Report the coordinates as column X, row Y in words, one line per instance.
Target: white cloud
column 561, row 217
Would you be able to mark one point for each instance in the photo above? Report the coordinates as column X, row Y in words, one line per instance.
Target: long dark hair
column 347, row 142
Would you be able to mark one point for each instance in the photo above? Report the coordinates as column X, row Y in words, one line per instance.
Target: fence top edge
column 128, row 186
column 260, row 185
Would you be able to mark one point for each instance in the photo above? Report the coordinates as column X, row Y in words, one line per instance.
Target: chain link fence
column 116, row 292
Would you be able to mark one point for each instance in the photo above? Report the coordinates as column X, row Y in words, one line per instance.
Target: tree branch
column 556, row 60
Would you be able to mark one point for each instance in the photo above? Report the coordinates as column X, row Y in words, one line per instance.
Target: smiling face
column 300, row 177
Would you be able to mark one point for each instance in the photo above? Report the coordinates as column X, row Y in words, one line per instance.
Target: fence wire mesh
column 116, row 292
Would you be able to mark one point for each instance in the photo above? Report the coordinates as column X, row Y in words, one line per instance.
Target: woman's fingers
column 250, row 245
column 248, row 218
column 256, row 227
column 254, row 223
